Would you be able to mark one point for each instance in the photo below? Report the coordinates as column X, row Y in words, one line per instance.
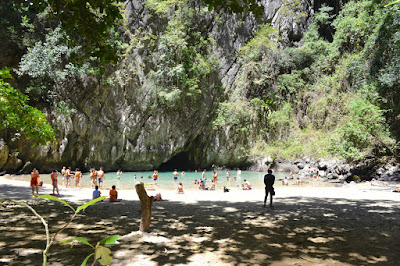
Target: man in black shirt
column 269, row 180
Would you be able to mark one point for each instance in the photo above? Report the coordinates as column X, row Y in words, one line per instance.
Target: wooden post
column 146, row 203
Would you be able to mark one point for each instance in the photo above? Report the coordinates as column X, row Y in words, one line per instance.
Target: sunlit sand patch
column 330, row 215
column 27, row 251
column 319, row 240
column 230, row 209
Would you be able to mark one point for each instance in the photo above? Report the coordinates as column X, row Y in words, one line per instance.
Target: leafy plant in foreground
column 102, row 254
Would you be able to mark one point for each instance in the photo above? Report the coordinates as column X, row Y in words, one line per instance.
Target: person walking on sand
column 269, row 180
column 54, row 182
column 34, row 182
column 175, row 174
column 101, row 177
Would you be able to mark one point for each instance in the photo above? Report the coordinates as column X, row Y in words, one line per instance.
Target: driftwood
column 146, row 203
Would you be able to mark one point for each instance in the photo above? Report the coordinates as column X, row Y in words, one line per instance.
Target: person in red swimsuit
column 54, row 181
column 34, row 182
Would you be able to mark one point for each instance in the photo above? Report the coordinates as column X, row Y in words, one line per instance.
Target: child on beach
column 246, row 185
column 114, row 195
column 285, row 181
column 180, row 188
column 96, row 192
column 34, row 182
column 54, row 182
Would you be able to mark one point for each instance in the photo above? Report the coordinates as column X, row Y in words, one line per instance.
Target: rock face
column 120, row 122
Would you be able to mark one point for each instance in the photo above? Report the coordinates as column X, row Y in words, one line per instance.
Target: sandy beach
column 354, row 224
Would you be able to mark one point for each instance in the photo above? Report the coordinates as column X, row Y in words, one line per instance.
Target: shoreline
column 365, row 190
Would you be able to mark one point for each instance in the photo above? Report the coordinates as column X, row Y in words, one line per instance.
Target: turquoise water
column 166, row 180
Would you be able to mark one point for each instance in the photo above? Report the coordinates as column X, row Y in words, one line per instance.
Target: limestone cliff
column 120, row 121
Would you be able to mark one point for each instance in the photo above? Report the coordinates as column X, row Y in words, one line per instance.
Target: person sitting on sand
column 285, row 181
column 298, row 181
column 54, row 182
column 180, row 188
column 246, row 185
column 34, row 182
column 397, row 190
column 226, row 189
column 202, row 183
column 114, row 195
column 96, row 192
column 157, row 197
column 212, row 185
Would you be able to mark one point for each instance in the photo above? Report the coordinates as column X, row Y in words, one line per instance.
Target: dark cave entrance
column 182, row 161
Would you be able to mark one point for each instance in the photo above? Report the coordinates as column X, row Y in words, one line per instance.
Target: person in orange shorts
column 114, row 195
column 78, row 177
column 54, row 181
column 155, row 177
column 34, row 182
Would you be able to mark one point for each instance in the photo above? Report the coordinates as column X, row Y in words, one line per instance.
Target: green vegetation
column 16, row 114
column 101, row 253
column 331, row 94
column 183, row 63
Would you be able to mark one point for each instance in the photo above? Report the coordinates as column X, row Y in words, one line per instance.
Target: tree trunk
column 146, row 203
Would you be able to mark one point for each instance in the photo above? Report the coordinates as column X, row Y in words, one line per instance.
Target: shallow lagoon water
column 166, row 181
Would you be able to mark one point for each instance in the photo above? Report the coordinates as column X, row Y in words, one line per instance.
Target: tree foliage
column 18, row 115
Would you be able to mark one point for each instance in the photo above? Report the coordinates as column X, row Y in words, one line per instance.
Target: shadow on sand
column 299, row 230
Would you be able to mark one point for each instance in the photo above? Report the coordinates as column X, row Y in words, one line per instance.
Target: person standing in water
column 175, row 174
column 269, row 180
column 101, row 177
column 155, row 177
column 239, row 174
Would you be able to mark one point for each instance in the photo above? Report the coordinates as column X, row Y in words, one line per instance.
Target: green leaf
column 110, row 240
column 80, row 239
column 86, row 259
column 104, row 254
column 56, row 199
column 87, row 204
